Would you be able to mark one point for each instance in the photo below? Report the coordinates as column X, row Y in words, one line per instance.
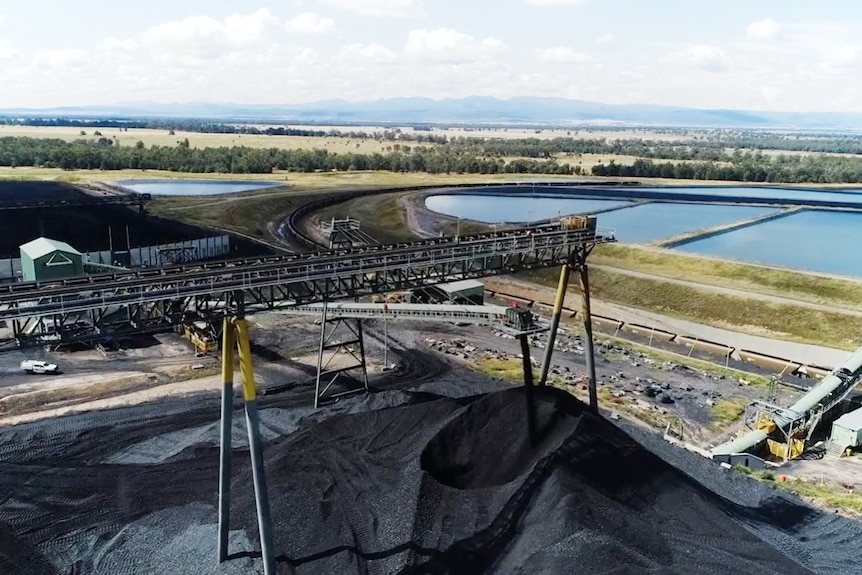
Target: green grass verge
column 382, row 216
column 779, row 321
column 511, row 369
column 827, row 493
column 727, row 411
column 830, row 494
column 783, row 283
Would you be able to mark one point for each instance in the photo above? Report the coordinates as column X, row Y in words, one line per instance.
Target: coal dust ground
column 436, row 476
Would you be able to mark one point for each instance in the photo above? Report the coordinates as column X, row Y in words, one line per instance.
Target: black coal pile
column 396, row 482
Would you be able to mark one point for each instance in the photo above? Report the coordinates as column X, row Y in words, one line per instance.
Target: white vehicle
column 38, row 366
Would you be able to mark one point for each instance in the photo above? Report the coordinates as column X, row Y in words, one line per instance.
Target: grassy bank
column 829, row 494
column 784, row 283
column 778, row 321
column 382, row 216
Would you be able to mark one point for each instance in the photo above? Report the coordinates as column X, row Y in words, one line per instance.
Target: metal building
column 847, row 430
column 44, row 259
column 464, row 292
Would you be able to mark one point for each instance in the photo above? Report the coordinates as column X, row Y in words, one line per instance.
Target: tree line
column 752, row 168
column 456, row 157
column 102, row 154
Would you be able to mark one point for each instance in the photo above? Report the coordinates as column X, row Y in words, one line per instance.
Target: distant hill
column 470, row 110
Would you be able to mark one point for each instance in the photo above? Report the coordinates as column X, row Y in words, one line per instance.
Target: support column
column 320, row 355
column 225, row 445
column 588, row 337
column 555, row 323
column 252, row 419
column 528, row 388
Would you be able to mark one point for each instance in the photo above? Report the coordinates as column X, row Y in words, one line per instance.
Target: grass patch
column 382, row 216
column 775, row 320
column 248, row 215
column 830, row 494
column 511, row 368
column 784, row 283
column 827, row 493
column 727, row 411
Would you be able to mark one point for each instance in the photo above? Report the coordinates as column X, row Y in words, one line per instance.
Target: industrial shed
column 44, row 259
column 464, row 292
column 847, row 429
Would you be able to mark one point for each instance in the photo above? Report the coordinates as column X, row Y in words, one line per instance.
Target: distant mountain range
column 477, row 110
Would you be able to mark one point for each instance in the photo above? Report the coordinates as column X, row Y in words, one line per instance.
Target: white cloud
column 708, row 58
column 6, row 51
column 767, row 29
column 557, row 2
column 607, row 38
column 206, row 35
column 310, row 23
column 2, row 20
column 446, row 44
column 562, row 54
column 366, row 54
column 114, row 44
column 391, row 8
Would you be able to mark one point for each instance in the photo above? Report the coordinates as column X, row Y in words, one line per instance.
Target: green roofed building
column 47, row 260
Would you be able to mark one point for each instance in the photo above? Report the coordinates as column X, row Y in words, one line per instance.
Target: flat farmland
column 151, row 137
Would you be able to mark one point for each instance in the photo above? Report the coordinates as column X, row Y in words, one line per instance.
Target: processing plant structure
column 785, row 431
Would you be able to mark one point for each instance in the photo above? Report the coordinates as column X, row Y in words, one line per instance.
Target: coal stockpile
column 92, row 228
column 14, row 192
column 394, row 482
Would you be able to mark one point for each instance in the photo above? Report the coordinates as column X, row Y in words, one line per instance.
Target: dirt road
column 804, row 353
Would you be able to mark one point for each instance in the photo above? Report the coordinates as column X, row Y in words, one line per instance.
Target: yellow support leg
column 236, row 336
column 225, row 447
column 261, row 495
column 555, row 323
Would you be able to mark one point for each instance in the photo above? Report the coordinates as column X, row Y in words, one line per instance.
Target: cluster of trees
column 751, row 168
column 102, row 154
column 554, row 147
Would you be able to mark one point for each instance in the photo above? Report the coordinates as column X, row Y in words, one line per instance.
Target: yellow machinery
column 393, row 297
column 196, row 333
column 578, row 222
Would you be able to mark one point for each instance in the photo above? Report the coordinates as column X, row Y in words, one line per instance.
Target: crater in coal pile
column 488, row 444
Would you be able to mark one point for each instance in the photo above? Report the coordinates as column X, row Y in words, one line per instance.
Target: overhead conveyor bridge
column 153, row 298
column 476, row 314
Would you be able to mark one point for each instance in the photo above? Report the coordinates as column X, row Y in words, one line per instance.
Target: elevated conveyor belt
column 165, row 296
column 477, row 314
column 803, row 415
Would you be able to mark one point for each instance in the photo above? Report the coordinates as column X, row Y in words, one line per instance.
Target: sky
column 776, row 55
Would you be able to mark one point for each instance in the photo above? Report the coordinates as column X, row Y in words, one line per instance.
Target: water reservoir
column 497, row 209
column 193, row 187
column 655, row 221
column 815, row 240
